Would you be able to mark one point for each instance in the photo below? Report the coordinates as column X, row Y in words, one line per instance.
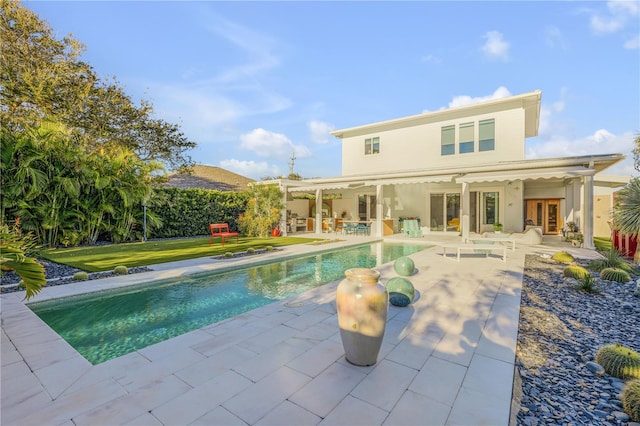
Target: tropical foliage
column 263, row 211
column 67, row 193
column 15, row 248
column 78, row 158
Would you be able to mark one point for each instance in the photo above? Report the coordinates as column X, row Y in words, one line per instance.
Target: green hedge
column 188, row 212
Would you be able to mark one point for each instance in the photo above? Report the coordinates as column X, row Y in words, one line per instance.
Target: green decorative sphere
column 400, row 286
column 404, row 266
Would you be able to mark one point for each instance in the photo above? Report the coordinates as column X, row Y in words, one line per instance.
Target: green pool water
column 109, row 324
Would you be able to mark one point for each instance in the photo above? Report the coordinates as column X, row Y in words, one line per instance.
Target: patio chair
column 411, row 228
column 362, row 229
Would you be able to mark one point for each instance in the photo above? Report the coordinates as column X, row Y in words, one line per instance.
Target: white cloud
column 495, row 47
column 633, row 43
column 462, row 100
column 601, row 142
column 619, row 14
column 431, row 59
column 555, row 38
column 252, row 169
column 271, row 145
column 320, row 131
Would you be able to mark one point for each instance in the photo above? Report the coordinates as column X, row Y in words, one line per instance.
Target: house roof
column 209, row 177
column 540, row 168
column 530, row 102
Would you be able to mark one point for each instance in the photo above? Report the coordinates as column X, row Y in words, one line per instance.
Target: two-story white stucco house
column 457, row 170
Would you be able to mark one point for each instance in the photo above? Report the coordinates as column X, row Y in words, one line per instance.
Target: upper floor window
column 466, row 137
column 372, row 146
column 448, row 140
column 487, row 130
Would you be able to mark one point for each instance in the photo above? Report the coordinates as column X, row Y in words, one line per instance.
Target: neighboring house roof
column 209, row 177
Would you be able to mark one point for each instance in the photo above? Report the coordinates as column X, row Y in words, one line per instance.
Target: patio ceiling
column 532, row 174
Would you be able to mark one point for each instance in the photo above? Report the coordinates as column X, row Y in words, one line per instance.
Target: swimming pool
column 106, row 325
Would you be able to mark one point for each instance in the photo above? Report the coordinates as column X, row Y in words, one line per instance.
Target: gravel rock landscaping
column 560, row 330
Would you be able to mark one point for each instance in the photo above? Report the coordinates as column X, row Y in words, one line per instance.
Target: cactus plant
column 250, row 250
column 121, row 270
column 269, row 248
column 228, row 254
column 619, row 361
column 563, row 257
column 615, row 274
column 631, row 400
column 80, row 276
column 575, row 271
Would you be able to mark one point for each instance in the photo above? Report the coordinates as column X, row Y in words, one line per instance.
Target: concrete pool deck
column 446, row 359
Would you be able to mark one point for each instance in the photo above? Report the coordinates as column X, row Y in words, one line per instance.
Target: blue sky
column 251, row 82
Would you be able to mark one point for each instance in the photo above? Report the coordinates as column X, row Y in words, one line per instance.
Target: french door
column 545, row 213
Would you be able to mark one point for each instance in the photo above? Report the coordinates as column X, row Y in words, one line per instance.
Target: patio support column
column 318, row 229
column 283, row 212
column 588, row 212
column 465, row 211
column 379, row 210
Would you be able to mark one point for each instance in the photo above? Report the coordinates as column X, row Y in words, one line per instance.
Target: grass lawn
column 107, row 257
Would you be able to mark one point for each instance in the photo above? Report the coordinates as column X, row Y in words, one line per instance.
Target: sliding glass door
column 445, row 212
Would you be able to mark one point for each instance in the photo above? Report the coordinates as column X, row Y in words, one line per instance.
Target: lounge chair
column 411, row 228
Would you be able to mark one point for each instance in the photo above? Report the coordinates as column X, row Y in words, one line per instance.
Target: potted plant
column 497, row 227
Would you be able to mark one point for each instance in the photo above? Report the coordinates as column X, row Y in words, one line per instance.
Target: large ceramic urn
column 362, row 303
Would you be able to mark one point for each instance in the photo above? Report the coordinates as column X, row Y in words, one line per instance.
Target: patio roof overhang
column 409, row 180
column 532, row 174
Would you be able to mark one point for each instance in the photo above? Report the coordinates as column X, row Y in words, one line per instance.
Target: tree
column 626, row 213
column 263, row 211
column 43, row 78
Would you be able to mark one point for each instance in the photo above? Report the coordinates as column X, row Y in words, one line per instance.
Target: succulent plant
column 575, row 271
column 588, row 284
column 615, row 274
column 121, row 270
column 563, row 257
column 228, row 254
column 269, row 248
column 250, row 250
column 619, row 361
column 80, row 276
column 631, row 400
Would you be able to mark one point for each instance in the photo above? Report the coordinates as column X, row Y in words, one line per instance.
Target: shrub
column 619, row 361
column 612, row 259
column 587, row 284
column 121, row 270
column 80, row 276
column 631, row 400
column 575, row 271
column 615, row 274
column 563, row 257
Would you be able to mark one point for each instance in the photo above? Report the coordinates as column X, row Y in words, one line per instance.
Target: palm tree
column 626, row 213
column 14, row 249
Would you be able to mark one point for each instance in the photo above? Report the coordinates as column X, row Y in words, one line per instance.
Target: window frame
column 487, row 135
column 466, row 141
column 372, row 145
column 448, row 133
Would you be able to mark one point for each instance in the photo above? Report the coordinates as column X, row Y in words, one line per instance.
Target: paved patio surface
column 447, row 359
